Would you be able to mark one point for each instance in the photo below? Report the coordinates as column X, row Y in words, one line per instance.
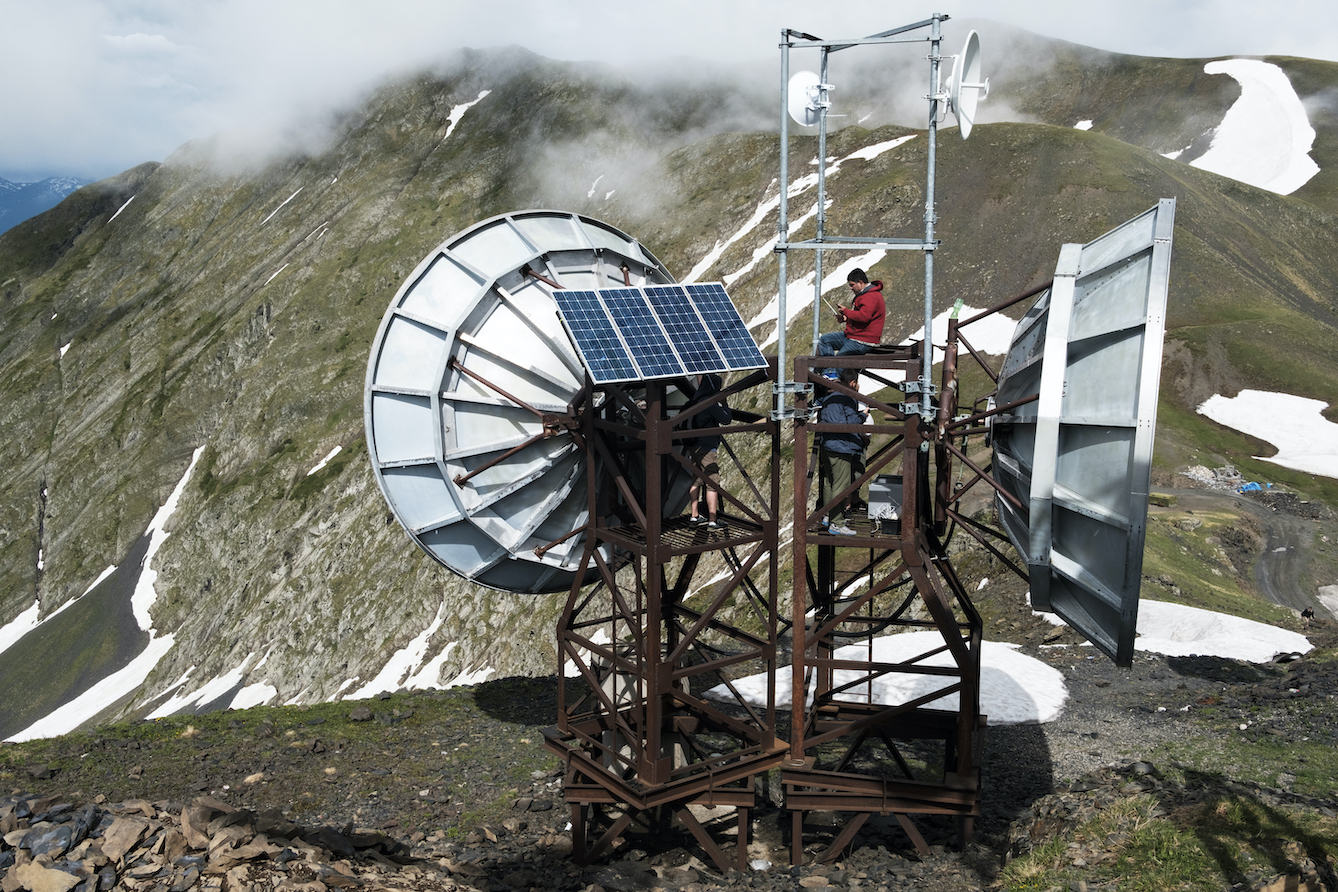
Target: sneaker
column 714, row 525
column 697, row 520
column 840, row 529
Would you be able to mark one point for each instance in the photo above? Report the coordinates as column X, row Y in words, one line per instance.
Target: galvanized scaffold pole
column 822, row 196
column 781, row 393
column 927, row 376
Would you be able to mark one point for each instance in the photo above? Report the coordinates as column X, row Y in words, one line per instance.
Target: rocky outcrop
column 55, row 846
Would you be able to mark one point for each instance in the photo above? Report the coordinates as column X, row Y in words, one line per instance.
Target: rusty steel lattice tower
column 531, row 398
column 661, row 725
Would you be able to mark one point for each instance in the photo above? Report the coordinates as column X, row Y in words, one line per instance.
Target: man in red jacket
column 863, row 321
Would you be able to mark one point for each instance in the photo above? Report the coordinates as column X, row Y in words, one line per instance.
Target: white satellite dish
column 965, row 86
column 468, row 361
column 806, row 97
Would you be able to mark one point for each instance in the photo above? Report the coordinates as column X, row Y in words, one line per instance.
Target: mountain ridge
column 20, row 201
column 231, row 310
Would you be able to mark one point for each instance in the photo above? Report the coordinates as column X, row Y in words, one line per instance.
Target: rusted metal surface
column 635, row 740
column 643, row 737
column 849, row 587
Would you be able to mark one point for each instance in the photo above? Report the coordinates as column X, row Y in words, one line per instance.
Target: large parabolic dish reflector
column 468, row 360
column 1079, row 457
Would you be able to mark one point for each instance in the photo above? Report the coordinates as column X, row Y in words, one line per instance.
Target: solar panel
column 724, row 322
column 596, row 339
column 686, row 329
column 664, row 331
column 646, row 341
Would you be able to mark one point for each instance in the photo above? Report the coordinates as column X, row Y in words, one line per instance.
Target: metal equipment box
column 884, row 499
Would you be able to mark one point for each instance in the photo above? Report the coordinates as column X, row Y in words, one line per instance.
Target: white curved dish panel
column 468, row 358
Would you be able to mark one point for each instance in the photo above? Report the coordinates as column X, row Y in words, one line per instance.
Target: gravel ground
column 460, row 778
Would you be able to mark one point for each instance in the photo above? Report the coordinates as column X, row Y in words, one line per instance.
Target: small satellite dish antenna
column 806, row 97
column 965, row 86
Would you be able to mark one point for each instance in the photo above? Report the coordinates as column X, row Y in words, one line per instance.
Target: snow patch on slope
column 19, row 626
column 458, row 112
column 1180, row 631
column 1266, row 137
column 129, row 679
column 402, row 663
column 1307, row 442
column 1014, row 688
column 795, row 189
column 1177, row 630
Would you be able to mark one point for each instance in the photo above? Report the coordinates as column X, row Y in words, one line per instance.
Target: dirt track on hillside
column 1280, row 567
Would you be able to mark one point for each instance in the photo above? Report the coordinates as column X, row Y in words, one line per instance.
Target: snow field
column 1265, row 137
column 1307, row 442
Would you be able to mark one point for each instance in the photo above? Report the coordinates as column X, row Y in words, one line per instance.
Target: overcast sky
column 92, row 87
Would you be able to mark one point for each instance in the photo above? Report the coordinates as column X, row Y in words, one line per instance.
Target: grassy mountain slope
column 1245, row 260
column 1250, row 302
column 233, row 310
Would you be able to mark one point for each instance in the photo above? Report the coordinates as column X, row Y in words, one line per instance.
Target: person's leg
column 824, row 479
column 843, row 468
column 711, row 465
column 858, row 468
column 833, row 343
column 695, row 489
column 852, row 347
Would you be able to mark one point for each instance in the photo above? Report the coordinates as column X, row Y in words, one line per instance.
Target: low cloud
column 145, row 44
column 96, row 86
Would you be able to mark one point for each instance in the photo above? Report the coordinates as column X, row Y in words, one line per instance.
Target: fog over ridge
column 107, row 86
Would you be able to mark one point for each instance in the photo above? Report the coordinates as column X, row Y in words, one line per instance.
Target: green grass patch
column 1191, row 550
column 1125, row 842
column 1149, row 843
column 1256, row 754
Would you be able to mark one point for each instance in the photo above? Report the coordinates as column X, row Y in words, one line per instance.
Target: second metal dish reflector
column 1079, row 457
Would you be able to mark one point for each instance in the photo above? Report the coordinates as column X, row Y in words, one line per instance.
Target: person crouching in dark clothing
column 839, row 454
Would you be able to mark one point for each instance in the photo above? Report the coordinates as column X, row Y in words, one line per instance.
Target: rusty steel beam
column 634, row 741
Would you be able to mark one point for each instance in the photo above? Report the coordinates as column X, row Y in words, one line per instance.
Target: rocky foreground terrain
column 452, row 790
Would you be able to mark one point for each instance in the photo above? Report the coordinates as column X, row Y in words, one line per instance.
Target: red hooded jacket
column 864, row 320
